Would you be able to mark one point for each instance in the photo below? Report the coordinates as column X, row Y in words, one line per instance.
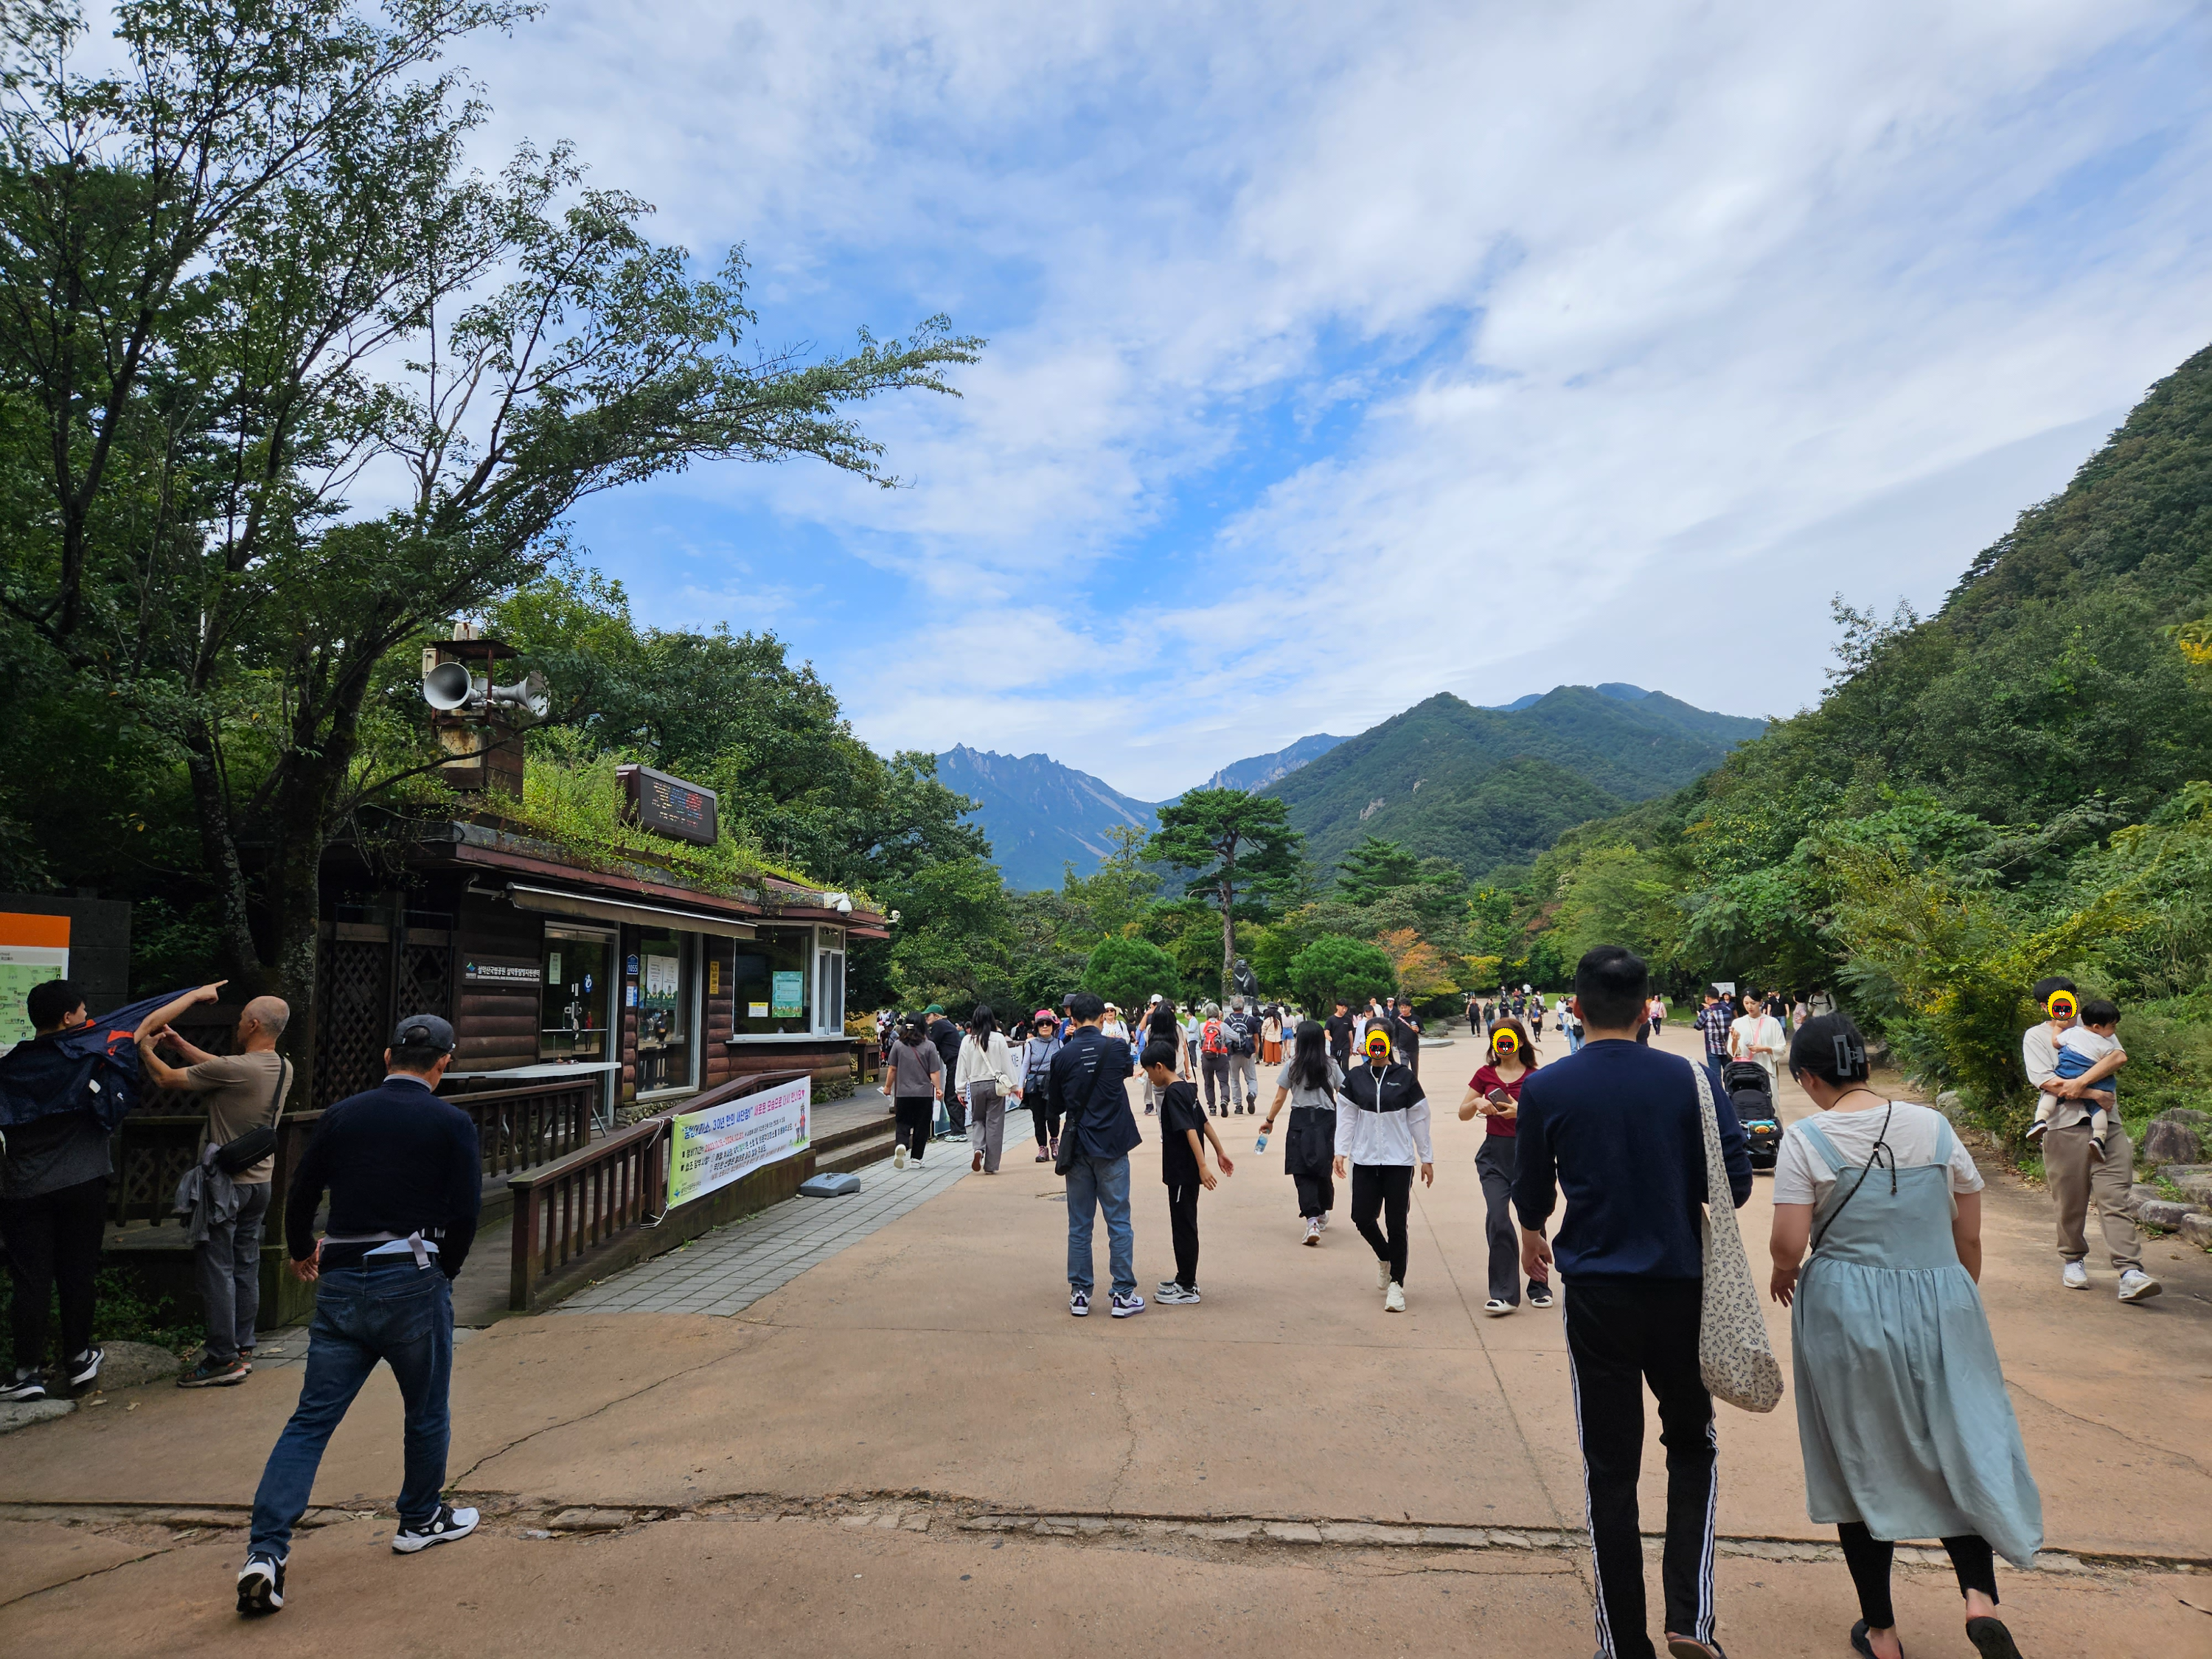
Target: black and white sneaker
column 443, row 1528
column 260, row 1585
column 85, row 1368
column 25, row 1385
column 1078, row 1303
column 1128, row 1303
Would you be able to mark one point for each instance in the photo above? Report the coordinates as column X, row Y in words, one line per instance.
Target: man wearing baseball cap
column 405, row 1175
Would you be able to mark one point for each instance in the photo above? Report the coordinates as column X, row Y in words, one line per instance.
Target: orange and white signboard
column 33, row 950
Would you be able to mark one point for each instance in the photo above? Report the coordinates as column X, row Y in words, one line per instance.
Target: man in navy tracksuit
column 404, row 1180
column 1618, row 1128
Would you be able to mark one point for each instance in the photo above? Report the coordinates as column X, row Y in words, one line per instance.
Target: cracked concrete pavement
column 933, row 1367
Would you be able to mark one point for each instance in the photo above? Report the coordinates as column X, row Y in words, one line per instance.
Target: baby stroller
column 1752, row 1096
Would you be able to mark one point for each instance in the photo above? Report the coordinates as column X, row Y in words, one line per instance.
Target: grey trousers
column 2075, row 1177
column 987, row 1122
column 228, row 1263
column 1242, row 1065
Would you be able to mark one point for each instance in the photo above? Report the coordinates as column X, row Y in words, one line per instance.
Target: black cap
column 424, row 1031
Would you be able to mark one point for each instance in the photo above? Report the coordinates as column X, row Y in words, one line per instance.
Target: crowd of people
column 1905, row 1429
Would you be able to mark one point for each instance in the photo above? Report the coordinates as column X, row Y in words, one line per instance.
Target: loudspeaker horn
column 530, row 696
column 449, row 686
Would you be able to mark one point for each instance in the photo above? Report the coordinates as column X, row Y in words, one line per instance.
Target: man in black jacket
column 944, row 1036
column 405, row 1176
column 1086, row 1082
column 54, row 1201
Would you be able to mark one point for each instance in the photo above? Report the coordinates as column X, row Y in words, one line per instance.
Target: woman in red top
column 1495, row 1092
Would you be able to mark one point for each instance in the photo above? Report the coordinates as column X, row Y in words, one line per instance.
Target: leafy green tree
column 1334, row 968
column 256, row 264
column 1129, row 972
column 1120, row 891
column 1228, row 844
column 1373, row 868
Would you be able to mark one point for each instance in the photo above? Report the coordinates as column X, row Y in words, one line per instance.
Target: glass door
column 578, row 1010
column 829, row 981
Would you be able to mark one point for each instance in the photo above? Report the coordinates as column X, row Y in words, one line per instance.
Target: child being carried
column 2079, row 1049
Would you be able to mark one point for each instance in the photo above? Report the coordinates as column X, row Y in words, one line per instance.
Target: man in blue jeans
column 1087, row 1083
column 405, row 1175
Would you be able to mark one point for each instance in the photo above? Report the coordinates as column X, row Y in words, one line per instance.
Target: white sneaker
column 2075, row 1278
column 1313, row 1230
column 1394, row 1302
column 899, row 1157
column 2136, row 1285
column 1323, row 1220
column 1381, row 1275
column 1496, row 1309
column 1167, row 1285
column 444, row 1527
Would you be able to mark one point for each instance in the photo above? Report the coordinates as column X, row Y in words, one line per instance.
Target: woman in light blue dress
column 1901, row 1408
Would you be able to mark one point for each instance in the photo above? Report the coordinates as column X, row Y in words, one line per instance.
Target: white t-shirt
column 2091, row 1046
column 1801, row 1176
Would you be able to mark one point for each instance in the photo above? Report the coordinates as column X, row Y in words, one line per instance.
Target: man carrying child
column 1184, row 1132
column 2086, row 1153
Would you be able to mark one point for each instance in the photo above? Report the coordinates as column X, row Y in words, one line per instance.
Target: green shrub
column 1129, row 971
column 1334, row 968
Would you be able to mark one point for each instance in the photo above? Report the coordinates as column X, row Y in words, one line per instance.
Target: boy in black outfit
column 1183, row 1164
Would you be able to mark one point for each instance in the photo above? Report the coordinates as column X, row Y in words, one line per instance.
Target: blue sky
column 1342, row 356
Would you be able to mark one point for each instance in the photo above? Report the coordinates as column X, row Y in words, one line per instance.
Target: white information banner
column 726, row 1143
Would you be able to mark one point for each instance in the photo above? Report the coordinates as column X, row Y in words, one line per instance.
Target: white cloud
column 1596, row 310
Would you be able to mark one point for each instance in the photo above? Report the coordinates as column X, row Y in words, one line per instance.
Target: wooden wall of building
column 496, row 1025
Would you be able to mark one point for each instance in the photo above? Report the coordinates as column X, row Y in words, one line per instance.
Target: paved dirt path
column 911, row 1446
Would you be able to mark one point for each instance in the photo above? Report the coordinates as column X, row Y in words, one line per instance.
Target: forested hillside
column 1482, row 786
column 2011, row 786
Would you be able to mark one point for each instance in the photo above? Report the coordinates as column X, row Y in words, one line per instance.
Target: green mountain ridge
column 1483, row 787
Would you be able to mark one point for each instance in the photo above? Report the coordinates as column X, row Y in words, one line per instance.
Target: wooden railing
column 532, row 1124
column 153, row 1150
column 577, row 1209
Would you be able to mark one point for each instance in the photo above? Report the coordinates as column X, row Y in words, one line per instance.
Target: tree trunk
column 219, row 842
column 1228, row 931
column 293, row 887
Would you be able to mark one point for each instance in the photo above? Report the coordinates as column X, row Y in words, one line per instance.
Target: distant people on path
column 53, row 1198
column 1086, row 1083
column 1310, row 1080
column 1114, row 1029
column 2071, row 1165
column 916, row 1079
column 1537, row 1012
column 1714, row 1020
column 1192, row 1028
column 985, row 1077
column 1405, row 1035
column 1799, row 1013
column 1271, row 1036
column 1338, row 1027
column 1160, row 1026
column 1243, row 1026
column 1184, row 1132
column 1213, row 1059
column 405, row 1175
column 1494, row 1092
column 1570, row 1025
column 1383, row 1138
column 947, row 1038
column 1656, row 1013
column 1038, row 1048
column 1756, row 1035
column 244, row 1092
column 1902, row 1414
column 1618, row 1129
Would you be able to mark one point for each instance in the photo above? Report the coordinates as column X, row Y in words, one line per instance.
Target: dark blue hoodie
column 1616, row 1128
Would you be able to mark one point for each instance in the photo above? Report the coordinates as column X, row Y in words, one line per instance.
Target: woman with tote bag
column 1902, row 1414
column 984, row 1074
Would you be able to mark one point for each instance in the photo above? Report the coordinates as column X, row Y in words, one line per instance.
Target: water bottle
column 1260, row 1145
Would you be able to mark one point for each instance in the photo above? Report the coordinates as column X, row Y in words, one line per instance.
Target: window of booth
column 771, row 980
column 578, row 995
column 667, row 1012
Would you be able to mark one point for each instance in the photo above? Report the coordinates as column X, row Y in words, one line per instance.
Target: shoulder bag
column 1733, row 1355
column 235, row 1157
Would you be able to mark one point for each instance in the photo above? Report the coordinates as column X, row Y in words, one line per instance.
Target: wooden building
column 550, row 967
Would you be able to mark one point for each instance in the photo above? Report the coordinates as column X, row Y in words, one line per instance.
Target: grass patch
column 121, row 1313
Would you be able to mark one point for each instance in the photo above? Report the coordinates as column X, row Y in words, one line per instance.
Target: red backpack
column 1210, row 1040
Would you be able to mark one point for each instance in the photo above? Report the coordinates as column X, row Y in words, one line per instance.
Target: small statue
column 1246, row 983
